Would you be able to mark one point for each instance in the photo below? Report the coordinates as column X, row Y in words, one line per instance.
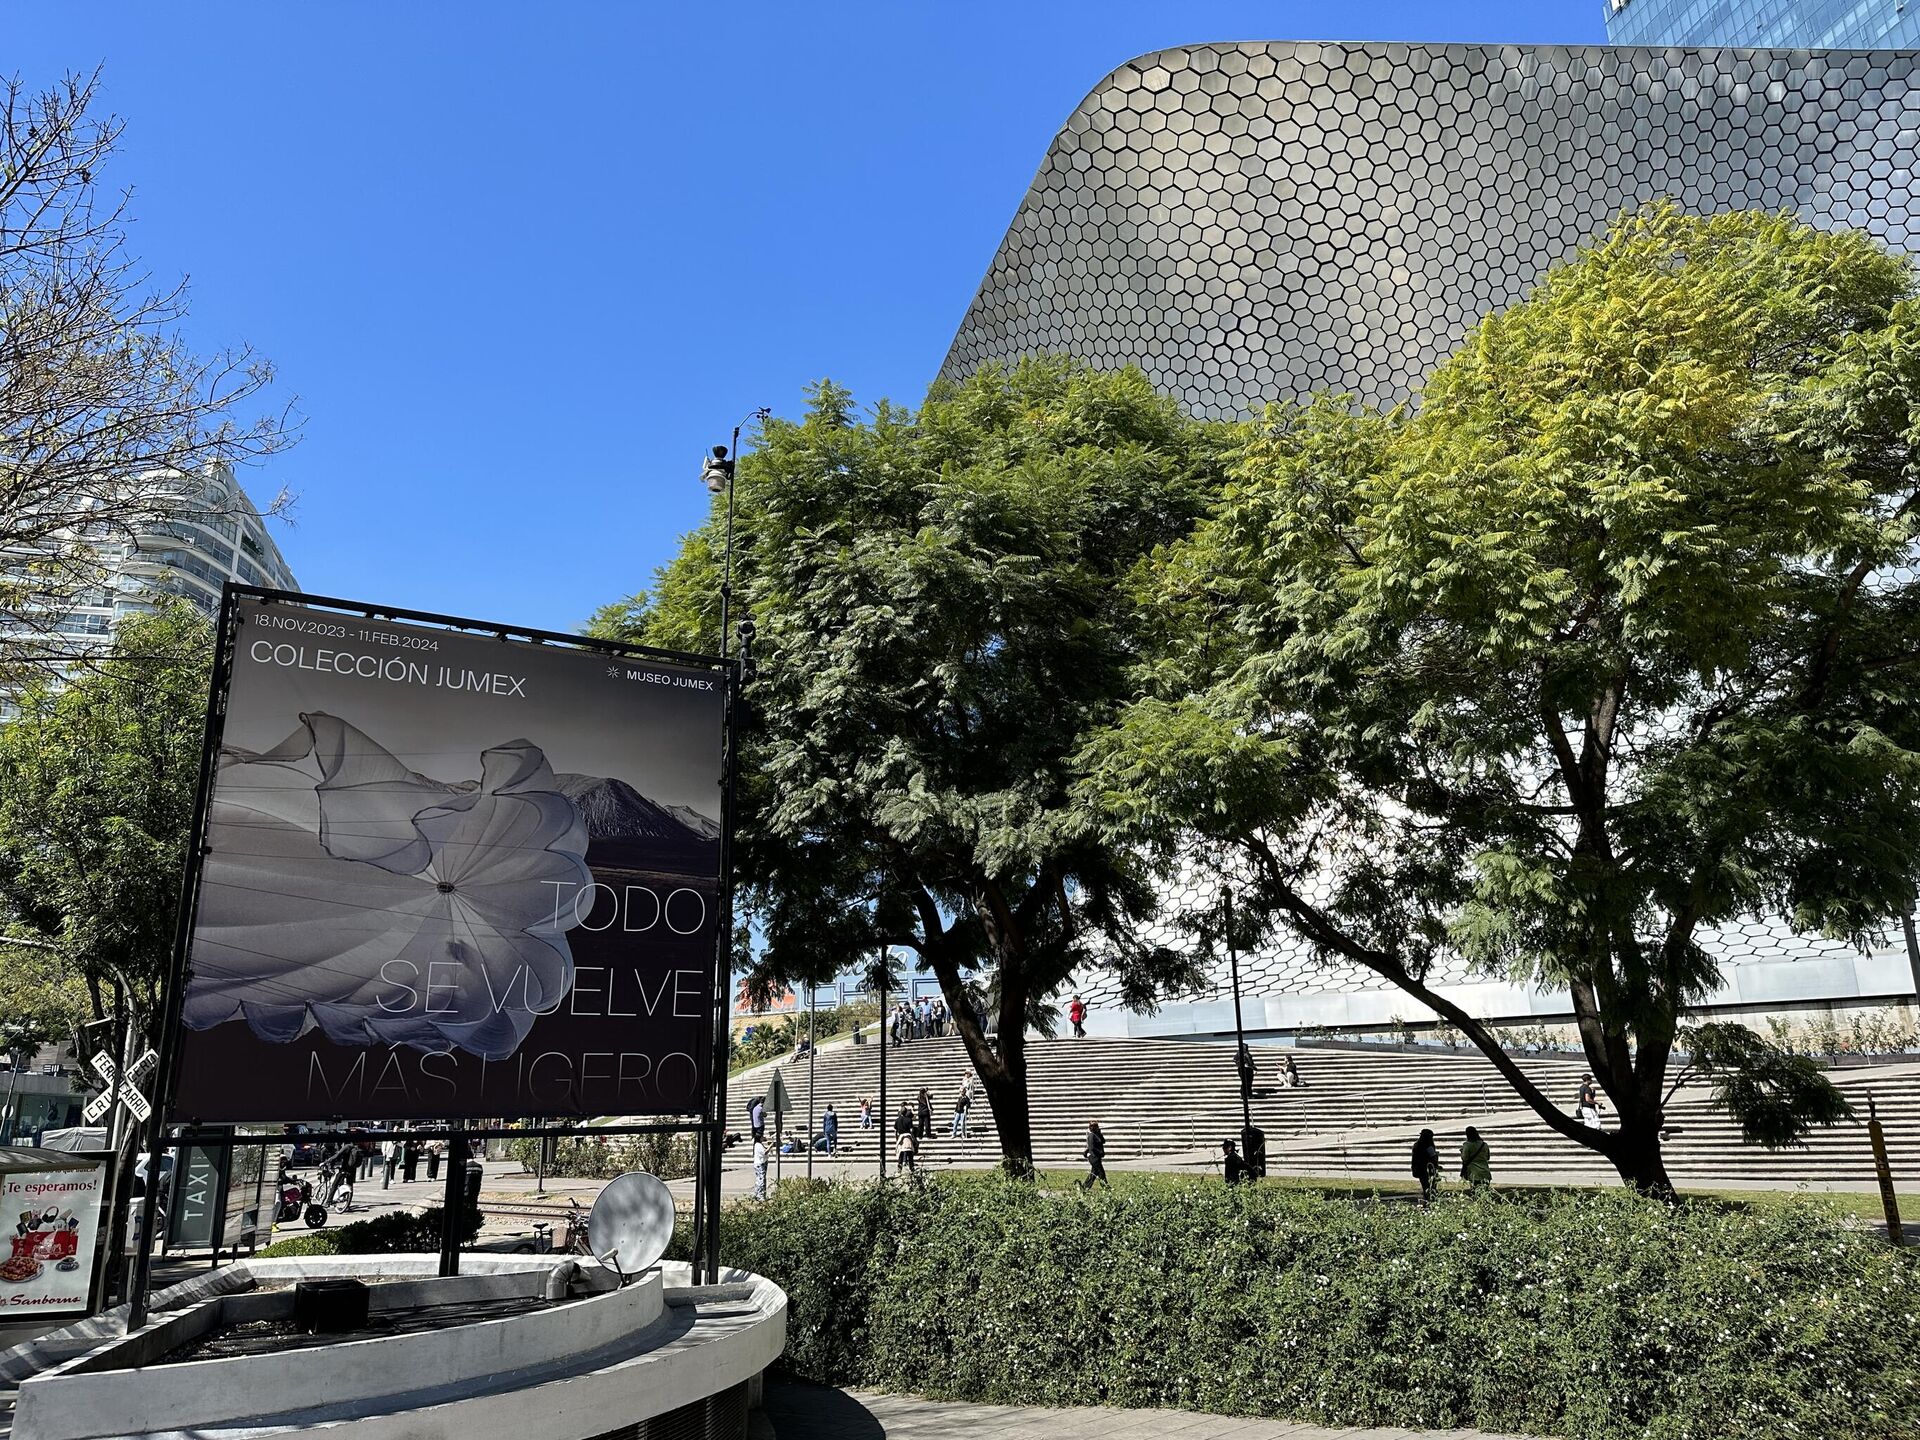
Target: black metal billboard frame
column 711, row 1125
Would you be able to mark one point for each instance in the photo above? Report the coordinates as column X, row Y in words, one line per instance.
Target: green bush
column 592, row 1157
column 397, row 1232
column 320, row 1242
column 1595, row 1315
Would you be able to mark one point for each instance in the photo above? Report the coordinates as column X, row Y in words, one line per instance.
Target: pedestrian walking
column 392, row 1155
column 925, row 1131
column 1094, row 1154
column 1588, row 1103
column 830, row 1129
column 1426, row 1165
column 1077, row 1014
column 434, row 1150
column 1236, row 1168
column 1243, row 1064
column 759, row 1167
column 908, row 1155
column 866, row 1114
column 1476, row 1160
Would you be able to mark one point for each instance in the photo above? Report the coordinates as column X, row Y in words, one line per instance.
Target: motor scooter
column 296, row 1201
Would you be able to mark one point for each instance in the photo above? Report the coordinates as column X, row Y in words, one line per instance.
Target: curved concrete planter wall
column 567, row 1371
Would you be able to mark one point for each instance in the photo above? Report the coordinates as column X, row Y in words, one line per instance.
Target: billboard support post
column 453, row 1201
column 174, row 994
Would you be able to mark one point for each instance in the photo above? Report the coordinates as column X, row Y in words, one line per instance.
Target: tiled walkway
column 799, row 1411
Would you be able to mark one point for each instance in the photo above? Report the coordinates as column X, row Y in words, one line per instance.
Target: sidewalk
column 797, row 1410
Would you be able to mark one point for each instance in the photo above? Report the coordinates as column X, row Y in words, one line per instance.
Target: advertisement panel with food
column 52, row 1219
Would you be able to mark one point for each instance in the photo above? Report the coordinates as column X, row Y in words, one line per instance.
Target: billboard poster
column 53, row 1220
column 452, row 876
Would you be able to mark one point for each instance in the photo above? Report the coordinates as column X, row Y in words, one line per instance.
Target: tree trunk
column 1007, row 1095
column 1635, row 1153
column 1002, row 1064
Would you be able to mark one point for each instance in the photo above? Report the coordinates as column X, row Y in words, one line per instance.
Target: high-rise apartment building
column 1826, row 24
column 212, row 534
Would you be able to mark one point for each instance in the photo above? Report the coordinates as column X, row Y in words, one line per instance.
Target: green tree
column 41, row 1001
column 943, row 622
column 96, row 796
column 1609, row 642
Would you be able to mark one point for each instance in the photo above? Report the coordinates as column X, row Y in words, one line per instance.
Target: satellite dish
column 631, row 1223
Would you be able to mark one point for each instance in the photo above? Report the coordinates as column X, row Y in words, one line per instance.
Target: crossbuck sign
column 130, row 1097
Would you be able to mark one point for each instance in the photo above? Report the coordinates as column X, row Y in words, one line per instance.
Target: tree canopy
column 1611, row 640
column 96, row 797
column 944, row 620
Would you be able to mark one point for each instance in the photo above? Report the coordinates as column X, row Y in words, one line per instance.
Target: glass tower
column 1814, row 24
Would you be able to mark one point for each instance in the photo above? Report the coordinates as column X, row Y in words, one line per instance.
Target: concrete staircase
column 1357, row 1115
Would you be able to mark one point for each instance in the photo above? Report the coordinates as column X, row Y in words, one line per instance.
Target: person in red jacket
column 1077, row 1013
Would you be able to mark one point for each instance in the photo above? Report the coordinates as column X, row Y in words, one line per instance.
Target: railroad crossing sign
column 129, row 1087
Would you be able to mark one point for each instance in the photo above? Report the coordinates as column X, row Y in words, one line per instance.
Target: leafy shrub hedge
column 1594, row 1315
column 590, row 1157
column 393, row 1233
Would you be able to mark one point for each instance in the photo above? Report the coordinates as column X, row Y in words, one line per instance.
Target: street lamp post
column 1253, row 1140
column 885, row 1116
column 813, row 997
column 717, row 473
column 1242, row 1057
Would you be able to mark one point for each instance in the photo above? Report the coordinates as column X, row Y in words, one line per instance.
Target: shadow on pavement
column 801, row 1410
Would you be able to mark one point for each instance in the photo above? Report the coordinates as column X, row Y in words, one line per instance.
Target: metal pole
column 165, row 1079
column 453, row 1202
column 1913, row 952
column 812, row 997
column 1240, row 1056
column 886, row 1029
column 702, row 1161
column 104, row 1273
column 723, row 949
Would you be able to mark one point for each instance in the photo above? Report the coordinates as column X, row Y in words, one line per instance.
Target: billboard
column 452, row 876
column 53, row 1219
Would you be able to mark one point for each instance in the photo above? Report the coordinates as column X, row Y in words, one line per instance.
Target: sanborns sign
column 452, row 876
column 52, row 1219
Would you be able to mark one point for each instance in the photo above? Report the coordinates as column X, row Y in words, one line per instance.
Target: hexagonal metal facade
column 1255, row 222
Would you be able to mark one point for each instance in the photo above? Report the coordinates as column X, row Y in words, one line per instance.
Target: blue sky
column 520, row 264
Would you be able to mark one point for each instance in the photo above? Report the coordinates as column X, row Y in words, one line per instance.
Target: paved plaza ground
column 799, row 1411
